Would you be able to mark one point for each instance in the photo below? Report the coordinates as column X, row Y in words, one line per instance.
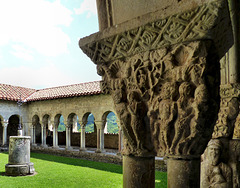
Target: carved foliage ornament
column 162, row 99
column 209, row 21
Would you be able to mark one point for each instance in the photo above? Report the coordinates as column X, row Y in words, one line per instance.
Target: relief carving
column 203, row 23
column 228, row 116
column 215, row 172
column 162, row 99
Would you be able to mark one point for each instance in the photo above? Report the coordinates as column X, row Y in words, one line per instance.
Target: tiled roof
column 8, row 92
column 89, row 88
column 13, row 93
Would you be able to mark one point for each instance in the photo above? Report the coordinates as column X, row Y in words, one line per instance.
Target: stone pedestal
column 138, row 172
column 19, row 157
column 183, row 173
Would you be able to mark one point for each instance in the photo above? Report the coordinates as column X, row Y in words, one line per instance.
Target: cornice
column 208, row 22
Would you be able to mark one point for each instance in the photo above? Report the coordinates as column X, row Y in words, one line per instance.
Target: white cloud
column 21, row 52
column 48, row 76
column 35, row 24
column 88, row 6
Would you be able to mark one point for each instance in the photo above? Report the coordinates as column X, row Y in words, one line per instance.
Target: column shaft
column 82, row 139
column 138, row 172
column 4, row 143
column 183, row 173
column 102, row 140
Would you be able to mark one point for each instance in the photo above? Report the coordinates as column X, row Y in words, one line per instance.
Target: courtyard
column 58, row 171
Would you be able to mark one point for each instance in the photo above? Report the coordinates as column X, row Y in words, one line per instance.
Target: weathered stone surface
column 19, row 150
column 209, row 21
column 138, row 172
column 19, row 157
column 183, row 173
column 162, row 70
column 215, row 171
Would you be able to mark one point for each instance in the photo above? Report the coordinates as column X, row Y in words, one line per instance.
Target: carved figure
column 200, row 108
column 215, row 173
column 184, row 115
column 167, row 113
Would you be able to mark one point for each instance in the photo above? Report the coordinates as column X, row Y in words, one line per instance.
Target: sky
column 39, row 42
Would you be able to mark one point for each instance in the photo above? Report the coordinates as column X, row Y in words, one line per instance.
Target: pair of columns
column 55, row 137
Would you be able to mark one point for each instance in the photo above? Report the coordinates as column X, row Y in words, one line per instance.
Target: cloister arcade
column 42, row 119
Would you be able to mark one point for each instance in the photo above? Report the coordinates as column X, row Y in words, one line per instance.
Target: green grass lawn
column 56, row 171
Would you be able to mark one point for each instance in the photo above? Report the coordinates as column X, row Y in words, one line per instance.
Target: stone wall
column 110, row 140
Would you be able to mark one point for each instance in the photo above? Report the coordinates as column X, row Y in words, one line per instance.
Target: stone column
column 43, row 134
column 34, row 136
column 4, row 136
column 55, row 136
column 120, row 140
column 68, row 137
column 162, row 71
column 82, row 144
column 100, row 137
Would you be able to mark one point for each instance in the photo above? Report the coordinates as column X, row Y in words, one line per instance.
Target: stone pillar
column 138, row 172
column 100, row 137
column 162, row 71
column 4, row 136
column 83, row 139
column 68, row 137
column 43, row 135
column 31, row 134
column 120, row 140
column 34, row 136
column 55, row 136
column 183, row 169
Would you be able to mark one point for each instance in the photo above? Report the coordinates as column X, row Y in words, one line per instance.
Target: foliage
column 112, row 126
column 56, row 171
column 61, row 126
column 90, row 124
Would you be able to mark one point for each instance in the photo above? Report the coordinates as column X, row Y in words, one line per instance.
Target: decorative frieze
column 210, row 21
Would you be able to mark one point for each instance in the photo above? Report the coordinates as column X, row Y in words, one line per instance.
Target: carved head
column 201, row 93
column 169, row 90
column 185, row 89
column 214, row 151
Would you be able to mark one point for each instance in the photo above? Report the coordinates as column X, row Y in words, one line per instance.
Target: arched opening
column 12, row 128
column 36, row 129
column 111, row 125
column 112, row 138
column 61, row 129
column 74, row 128
column 90, row 125
column 90, row 130
column 47, row 134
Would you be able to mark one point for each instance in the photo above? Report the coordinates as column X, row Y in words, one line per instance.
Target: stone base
column 19, row 170
column 100, row 151
column 82, row 149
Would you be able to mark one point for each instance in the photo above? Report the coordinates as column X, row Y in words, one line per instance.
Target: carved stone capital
column 162, row 99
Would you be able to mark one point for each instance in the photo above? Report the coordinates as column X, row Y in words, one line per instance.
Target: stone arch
column 73, row 121
column 61, row 129
column 12, row 128
column 89, row 119
column 72, row 128
column 106, row 120
column 47, row 138
column 37, row 128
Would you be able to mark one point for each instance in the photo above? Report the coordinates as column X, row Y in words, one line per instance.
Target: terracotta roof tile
column 89, row 88
column 13, row 93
